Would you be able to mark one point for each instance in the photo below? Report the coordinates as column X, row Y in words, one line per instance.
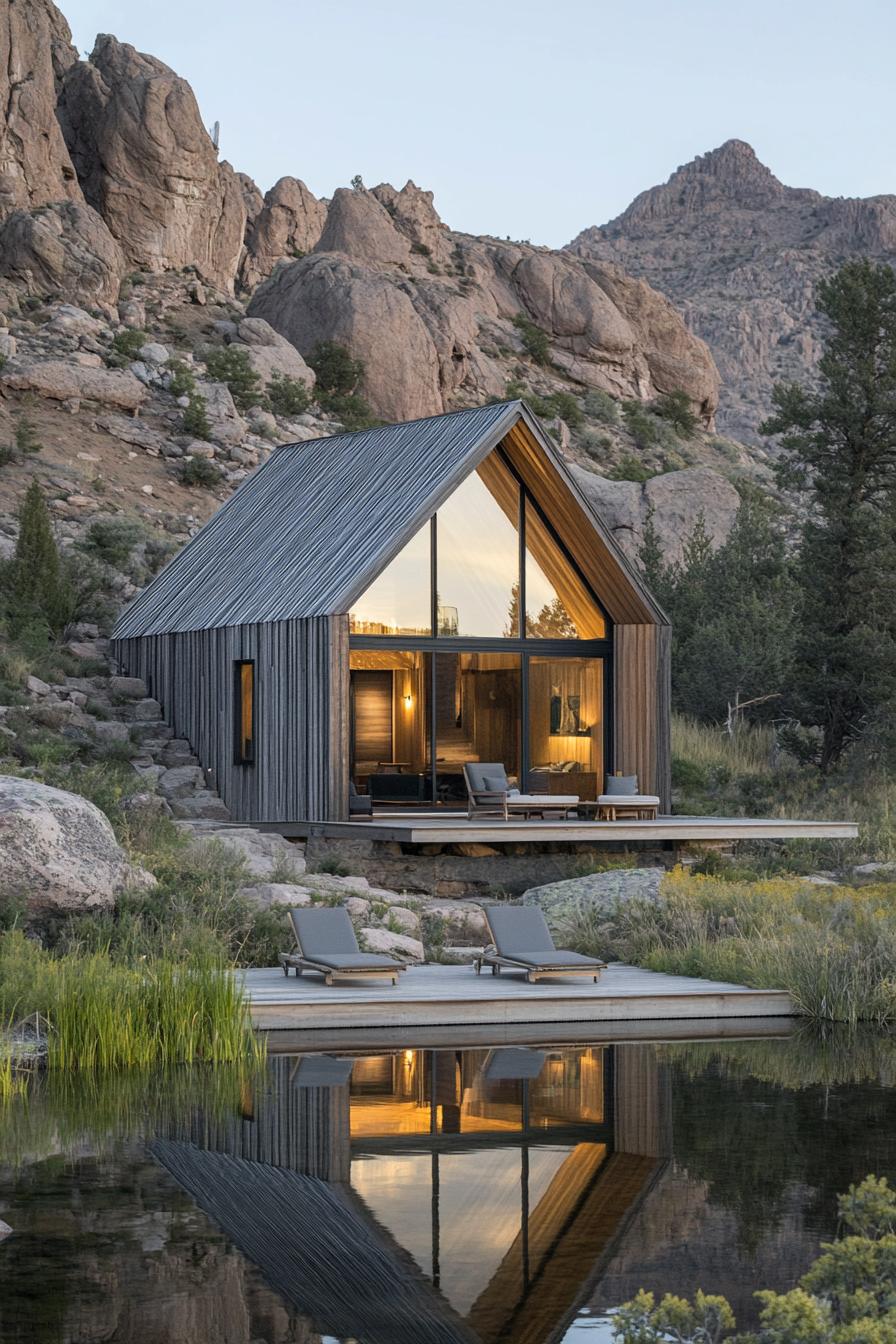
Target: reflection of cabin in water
column 457, row 1197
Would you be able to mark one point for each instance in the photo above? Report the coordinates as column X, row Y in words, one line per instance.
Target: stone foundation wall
column 473, row 870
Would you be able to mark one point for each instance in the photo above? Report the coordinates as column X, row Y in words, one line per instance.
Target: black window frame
column 240, row 756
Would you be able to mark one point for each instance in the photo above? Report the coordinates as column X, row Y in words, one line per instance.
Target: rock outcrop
column 740, row 254
column 59, row 851
column 146, row 163
column 429, row 311
column 64, row 381
column 287, row 222
column 594, row 893
column 35, row 53
column 63, row 249
column 674, row 501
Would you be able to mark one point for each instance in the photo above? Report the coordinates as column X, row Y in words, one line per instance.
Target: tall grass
column 104, row 1014
column 749, row 750
column 832, row 948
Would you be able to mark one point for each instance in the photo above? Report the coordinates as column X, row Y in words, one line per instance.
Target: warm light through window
column 244, row 694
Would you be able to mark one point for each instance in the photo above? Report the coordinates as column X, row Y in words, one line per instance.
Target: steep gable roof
column 309, row 531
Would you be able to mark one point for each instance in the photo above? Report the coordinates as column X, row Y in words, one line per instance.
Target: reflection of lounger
column 513, row 1063
column 521, row 941
column 326, row 942
column 321, row 1071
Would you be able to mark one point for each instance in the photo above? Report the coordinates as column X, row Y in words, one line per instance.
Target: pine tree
column 838, row 442
column 37, row 591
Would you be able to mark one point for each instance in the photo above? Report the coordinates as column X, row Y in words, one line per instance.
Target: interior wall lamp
column 408, row 700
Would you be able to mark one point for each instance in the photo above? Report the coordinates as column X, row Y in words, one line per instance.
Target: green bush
column 600, row 406
column 337, row 373
column 113, row 540
column 195, row 419
column 230, row 364
column 35, row 587
column 536, row 342
column 183, row 380
column 676, row 409
column 629, row 468
column 199, row 471
column 846, row 1296
column 126, row 345
column 287, row 396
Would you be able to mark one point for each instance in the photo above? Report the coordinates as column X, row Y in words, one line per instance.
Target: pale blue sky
column 528, row 119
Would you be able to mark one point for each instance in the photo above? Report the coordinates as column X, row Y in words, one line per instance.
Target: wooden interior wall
column 566, row 677
column 301, row 730
column 641, row 707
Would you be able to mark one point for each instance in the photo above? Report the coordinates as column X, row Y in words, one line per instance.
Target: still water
column 430, row 1196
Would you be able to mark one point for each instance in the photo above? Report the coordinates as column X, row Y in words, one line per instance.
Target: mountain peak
column 729, row 175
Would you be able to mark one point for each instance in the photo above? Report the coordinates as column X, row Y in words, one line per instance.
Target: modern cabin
column 380, row 607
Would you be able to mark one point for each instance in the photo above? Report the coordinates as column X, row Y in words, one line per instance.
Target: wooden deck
column 454, row 996
column 446, row 828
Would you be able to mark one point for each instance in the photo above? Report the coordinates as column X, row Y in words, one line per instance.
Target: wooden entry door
column 371, row 719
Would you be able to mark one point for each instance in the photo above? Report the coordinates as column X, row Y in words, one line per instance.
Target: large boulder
column 59, row 850
column 64, row 249
column 329, row 298
column 594, row 892
column 146, row 162
column 62, row 381
column 287, row 223
column 358, row 225
column 35, row 52
column 674, row 501
column 269, row 352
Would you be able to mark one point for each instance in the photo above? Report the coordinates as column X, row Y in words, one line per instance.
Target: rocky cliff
column 740, row 255
column 126, row 246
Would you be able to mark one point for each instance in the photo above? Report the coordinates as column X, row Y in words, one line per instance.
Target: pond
column 468, row 1196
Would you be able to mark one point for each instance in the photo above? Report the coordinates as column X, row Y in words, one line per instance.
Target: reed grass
column 751, row 749
column 832, row 948
column 104, row 1014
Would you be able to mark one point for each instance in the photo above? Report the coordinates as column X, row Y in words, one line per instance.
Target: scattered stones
column 408, row 921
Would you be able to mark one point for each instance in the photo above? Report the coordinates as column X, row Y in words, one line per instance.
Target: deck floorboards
column 423, row 828
column 436, row 996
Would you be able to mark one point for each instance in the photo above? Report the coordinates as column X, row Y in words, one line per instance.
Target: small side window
column 244, row 711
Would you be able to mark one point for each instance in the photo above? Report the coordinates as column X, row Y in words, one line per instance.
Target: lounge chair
column 621, row 799
column 521, row 941
column 359, row 804
column 321, row 1071
column 326, row 942
column 512, row 1064
column 489, row 792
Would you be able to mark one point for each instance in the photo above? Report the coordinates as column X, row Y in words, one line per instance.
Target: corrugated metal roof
column 307, row 532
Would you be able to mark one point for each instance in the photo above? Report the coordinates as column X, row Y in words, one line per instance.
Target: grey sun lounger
column 326, row 942
column 521, row 941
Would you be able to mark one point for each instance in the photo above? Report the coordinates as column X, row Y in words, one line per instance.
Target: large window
column 477, row 716
column 481, row 641
column 481, row 574
column 566, row 726
column 399, row 601
column 478, row 556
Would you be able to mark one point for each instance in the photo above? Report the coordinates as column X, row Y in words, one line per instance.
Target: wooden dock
column 440, row 996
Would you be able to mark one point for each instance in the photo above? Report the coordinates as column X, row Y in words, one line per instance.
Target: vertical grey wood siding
column 301, row 733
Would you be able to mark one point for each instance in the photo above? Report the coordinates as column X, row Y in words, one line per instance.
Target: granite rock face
column 286, row 222
column 35, row 53
column 740, row 255
column 674, row 500
column 63, row 248
column 146, row 163
column 428, row 311
column 60, row 851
